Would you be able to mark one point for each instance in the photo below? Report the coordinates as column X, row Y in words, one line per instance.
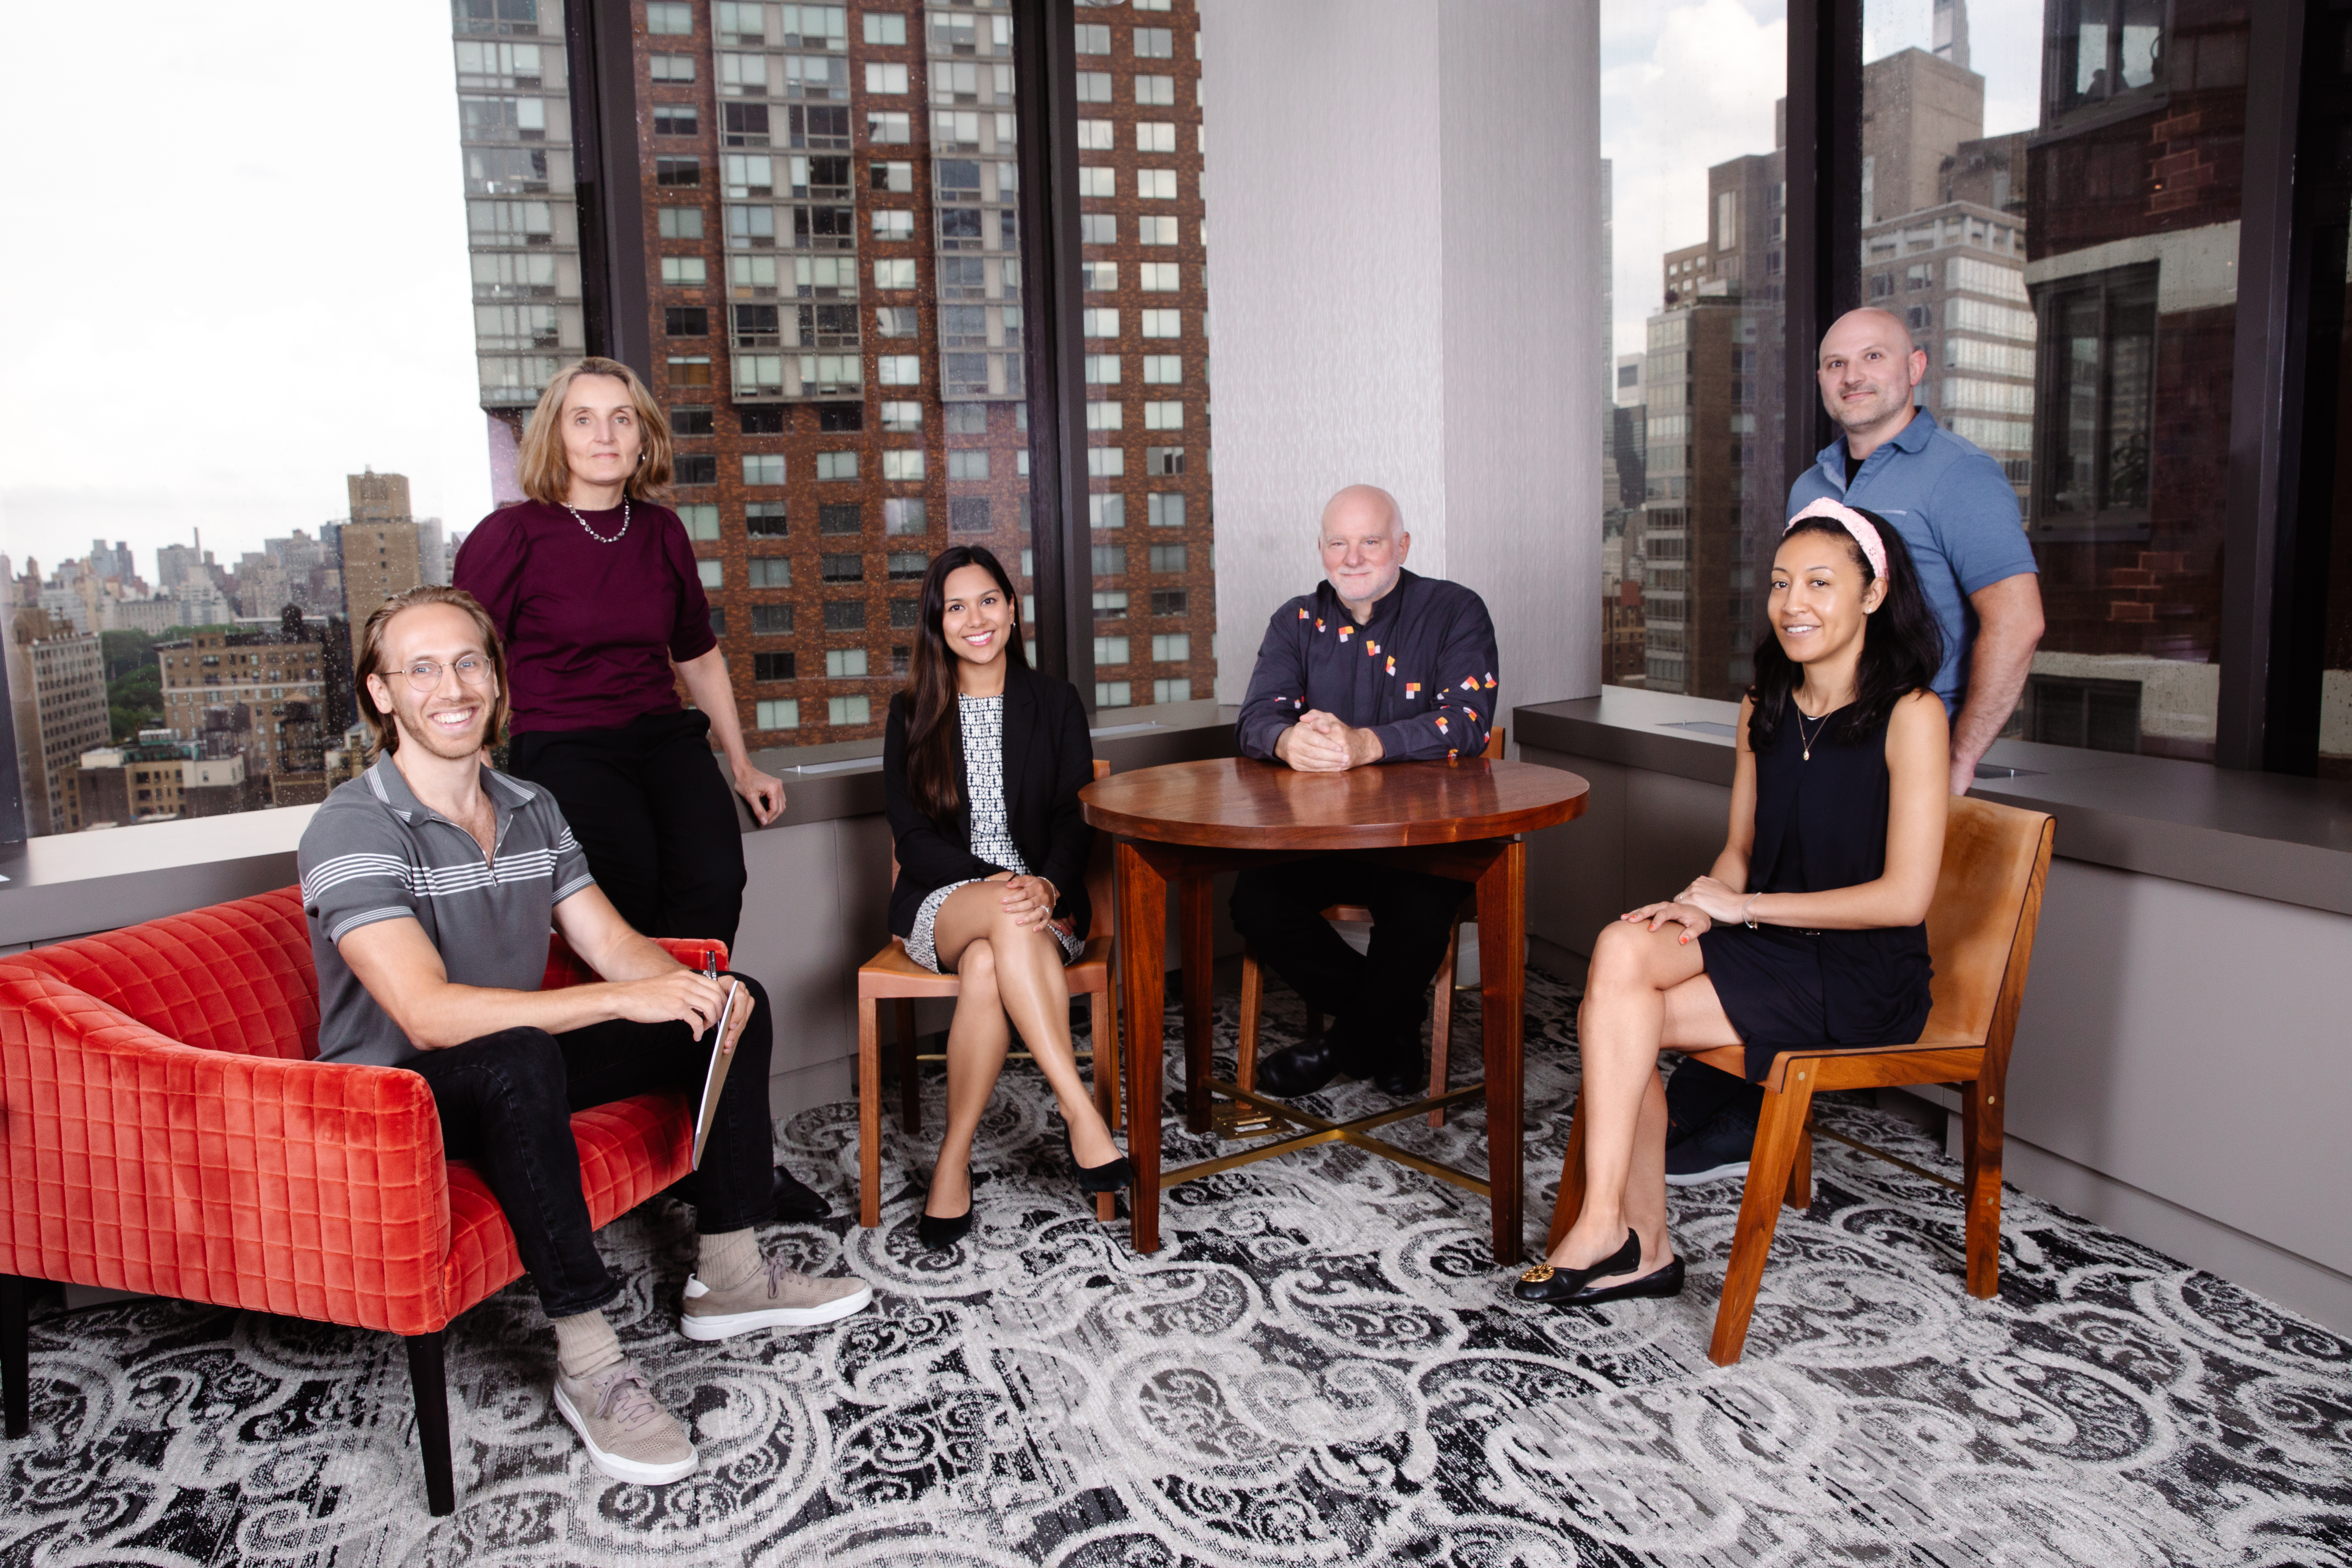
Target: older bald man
column 1958, row 512
column 1376, row 665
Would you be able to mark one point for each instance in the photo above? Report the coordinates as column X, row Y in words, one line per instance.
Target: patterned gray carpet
column 1318, row 1367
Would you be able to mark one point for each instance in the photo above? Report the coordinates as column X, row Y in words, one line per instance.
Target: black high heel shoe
column 938, row 1232
column 1559, row 1286
column 1111, row 1176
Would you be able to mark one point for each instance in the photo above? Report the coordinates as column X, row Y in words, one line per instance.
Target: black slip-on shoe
column 1555, row 1286
column 940, row 1233
column 1112, row 1175
column 1304, row 1068
column 794, row 1202
column 1659, row 1282
column 1718, row 1152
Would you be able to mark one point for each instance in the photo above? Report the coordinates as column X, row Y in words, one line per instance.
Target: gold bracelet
column 1747, row 910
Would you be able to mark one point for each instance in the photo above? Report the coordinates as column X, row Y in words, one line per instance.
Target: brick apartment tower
column 836, row 302
column 380, row 545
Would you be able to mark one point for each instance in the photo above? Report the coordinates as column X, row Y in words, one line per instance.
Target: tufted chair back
column 232, row 977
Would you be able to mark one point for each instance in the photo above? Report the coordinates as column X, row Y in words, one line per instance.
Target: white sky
column 236, row 273
column 1685, row 84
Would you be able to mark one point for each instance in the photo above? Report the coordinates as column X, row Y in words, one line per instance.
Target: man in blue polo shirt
column 1955, row 509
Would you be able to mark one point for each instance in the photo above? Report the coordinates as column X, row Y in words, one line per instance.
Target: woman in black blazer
column 982, row 765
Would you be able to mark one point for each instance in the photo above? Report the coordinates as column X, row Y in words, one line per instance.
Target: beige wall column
column 1404, row 288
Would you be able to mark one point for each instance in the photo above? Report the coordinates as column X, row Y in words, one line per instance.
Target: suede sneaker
column 629, row 1437
column 773, row 1297
column 1716, row 1153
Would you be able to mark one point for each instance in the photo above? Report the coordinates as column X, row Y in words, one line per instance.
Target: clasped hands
column 1030, row 900
column 1322, row 743
column 1696, row 909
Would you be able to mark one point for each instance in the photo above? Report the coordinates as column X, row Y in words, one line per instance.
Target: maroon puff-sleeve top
column 590, row 628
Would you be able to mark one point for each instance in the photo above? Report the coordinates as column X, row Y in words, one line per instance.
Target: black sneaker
column 1716, row 1153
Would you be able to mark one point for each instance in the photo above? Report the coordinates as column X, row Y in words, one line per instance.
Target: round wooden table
column 1187, row 822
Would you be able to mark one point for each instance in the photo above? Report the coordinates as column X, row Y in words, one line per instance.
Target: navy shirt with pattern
column 374, row 852
column 1420, row 672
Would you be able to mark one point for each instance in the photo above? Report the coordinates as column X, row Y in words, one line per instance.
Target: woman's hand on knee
column 1028, row 902
column 1690, row 917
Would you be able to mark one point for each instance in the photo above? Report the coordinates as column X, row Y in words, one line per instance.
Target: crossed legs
column 1007, row 973
column 1645, row 993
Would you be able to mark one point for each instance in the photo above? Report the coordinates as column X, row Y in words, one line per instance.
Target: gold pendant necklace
column 1809, row 740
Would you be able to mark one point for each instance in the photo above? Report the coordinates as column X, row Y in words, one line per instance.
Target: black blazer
column 1048, row 759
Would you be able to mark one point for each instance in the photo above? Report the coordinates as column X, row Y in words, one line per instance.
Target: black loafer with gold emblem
column 1559, row 1286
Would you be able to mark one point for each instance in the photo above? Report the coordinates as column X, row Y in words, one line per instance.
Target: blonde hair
column 540, row 465
column 367, row 660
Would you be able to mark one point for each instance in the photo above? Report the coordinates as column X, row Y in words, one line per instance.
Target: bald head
column 1363, row 543
column 1867, row 368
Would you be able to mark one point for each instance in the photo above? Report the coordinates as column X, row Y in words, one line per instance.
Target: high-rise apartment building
column 835, row 268
column 259, row 695
column 382, row 547
column 57, row 687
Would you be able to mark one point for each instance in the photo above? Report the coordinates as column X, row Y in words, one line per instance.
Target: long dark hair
column 934, row 732
column 1902, row 644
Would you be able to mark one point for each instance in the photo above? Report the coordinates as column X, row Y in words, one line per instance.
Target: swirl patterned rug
column 1320, row 1367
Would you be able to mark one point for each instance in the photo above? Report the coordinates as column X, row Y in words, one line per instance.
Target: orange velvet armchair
column 165, row 1129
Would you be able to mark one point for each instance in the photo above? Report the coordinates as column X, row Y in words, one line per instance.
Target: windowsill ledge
column 2266, row 835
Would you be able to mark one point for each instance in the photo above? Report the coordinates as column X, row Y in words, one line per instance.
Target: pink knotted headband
column 1874, row 548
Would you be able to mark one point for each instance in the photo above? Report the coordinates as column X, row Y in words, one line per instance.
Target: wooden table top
column 1234, row 803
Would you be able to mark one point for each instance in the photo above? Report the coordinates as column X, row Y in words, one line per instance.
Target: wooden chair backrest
column 1980, row 926
column 1098, row 873
column 1495, row 739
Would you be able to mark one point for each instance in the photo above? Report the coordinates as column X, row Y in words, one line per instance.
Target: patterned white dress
column 992, row 835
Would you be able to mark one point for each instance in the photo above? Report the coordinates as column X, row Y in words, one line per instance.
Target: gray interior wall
column 1403, row 290
column 2177, row 1073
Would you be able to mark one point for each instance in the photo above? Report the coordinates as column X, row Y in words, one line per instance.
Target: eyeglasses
column 424, row 675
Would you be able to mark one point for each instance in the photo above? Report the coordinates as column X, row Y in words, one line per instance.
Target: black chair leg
column 15, row 1355
column 427, row 1380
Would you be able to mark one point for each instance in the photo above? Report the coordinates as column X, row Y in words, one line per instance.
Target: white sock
column 728, row 1259
column 585, row 1344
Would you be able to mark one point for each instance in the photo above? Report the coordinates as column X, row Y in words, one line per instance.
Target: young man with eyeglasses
column 430, row 883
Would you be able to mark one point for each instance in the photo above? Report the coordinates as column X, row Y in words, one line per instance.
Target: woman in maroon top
column 593, row 583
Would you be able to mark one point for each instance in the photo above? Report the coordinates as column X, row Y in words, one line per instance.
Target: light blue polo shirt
column 1953, row 508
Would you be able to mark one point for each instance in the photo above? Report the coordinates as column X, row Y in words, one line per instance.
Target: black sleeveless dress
column 1819, row 824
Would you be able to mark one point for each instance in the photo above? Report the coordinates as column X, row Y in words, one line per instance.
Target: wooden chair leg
column 1779, row 1132
column 910, row 1072
column 1252, row 1001
column 1800, row 1195
column 870, row 1113
column 429, row 1384
column 16, row 1353
column 1570, row 1202
column 1441, row 1022
column 1103, row 1020
column 1981, row 1141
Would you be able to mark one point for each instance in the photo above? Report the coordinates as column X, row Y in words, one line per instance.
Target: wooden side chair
column 1441, row 1023
column 890, row 974
column 1980, row 932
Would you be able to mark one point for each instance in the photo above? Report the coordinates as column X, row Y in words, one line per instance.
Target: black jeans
column 650, row 806
column 505, row 1102
column 1376, row 1001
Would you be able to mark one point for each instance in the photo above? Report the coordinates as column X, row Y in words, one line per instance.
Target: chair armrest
column 130, row 1160
column 564, row 967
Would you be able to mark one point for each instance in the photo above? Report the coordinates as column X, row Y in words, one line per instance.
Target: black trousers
column 1376, row 1000
column 505, row 1102
column 648, row 804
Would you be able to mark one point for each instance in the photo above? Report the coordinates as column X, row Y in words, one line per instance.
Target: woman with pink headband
column 1810, row 928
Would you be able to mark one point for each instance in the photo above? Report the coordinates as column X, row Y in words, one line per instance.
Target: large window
column 1697, row 231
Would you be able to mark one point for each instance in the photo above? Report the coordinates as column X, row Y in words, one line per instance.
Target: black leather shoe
column 1303, row 1069
column 1402, row 1077
column 1559, row 1286
column 1111, row 1176
column 1658, row 1282
column 796, row 1202
column 937, row 1234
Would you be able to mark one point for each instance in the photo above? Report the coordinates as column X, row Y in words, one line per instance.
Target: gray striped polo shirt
column 374, row 852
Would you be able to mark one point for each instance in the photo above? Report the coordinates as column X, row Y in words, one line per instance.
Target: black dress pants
column 505, row 1102
column 1376, row 1000
column 648, row 804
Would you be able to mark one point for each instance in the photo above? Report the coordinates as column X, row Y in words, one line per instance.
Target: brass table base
column 1235, row 1110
